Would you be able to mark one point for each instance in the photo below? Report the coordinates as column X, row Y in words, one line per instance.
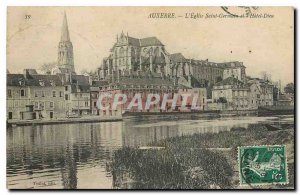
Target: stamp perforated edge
column 263, row 184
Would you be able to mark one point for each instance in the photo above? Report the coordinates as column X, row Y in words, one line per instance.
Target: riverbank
column 199, row 161
column 87, row 119
column 142, row 116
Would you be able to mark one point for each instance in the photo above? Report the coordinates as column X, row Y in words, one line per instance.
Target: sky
column 262, row 44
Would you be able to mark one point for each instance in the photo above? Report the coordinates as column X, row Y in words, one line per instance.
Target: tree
column 289, row 88
column 47, row 67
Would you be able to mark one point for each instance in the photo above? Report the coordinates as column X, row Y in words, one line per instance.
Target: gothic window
column 36, row 105
column 121, row 52
column 9, row 93
column 23, row 93
column 133, row 54
column 156, row 51
column 116, row 53
column 151, row 51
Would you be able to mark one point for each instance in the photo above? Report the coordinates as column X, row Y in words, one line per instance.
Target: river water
column 74, row 156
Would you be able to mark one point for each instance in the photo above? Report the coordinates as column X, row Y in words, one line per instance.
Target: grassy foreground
column 199, row 161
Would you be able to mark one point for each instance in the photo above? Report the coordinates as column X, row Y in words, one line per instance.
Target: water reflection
column 74, row 156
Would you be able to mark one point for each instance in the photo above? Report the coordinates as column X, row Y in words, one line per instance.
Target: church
column 130, row 54
column 65, row 59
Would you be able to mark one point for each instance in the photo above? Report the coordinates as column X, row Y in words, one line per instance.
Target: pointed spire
column 65, row 30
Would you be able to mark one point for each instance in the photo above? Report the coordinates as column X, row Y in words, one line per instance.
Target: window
column 43, row 94
column 51, row 104
column 42, row 83
column 54, row 93
column 86, row 104
column 9, row 115
column 66, row 88
column 52, row 83
column 42, row 105
column 66, row 97
column 95, row 104
column 23, row 93
column 61, row 94
column 36, row 105
column 9, row 93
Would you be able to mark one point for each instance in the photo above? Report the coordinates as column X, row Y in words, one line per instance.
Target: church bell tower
column 65, row 48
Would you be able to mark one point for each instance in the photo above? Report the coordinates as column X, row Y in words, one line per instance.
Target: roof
column 80, row 82
column 177, row 57
column 99, row 83
column 65, row 30
column 80, row 79
column 233, row 64
column 144, row 42
column 230, row 81
column 150, row 41
column 82, row 88
column 145, row 80
column 133, row 41
column 33, row 80
column 195, row 83
column 180, row 86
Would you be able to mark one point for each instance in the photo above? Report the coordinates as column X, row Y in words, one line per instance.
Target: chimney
column 26, row 73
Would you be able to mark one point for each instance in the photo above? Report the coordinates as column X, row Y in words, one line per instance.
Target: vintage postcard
column 150, row 98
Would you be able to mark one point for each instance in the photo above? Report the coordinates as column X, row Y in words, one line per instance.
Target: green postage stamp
column 262, row 165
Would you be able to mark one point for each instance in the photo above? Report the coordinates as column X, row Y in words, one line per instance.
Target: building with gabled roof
column 34, row 96
column 232, row 92
column 261, row 93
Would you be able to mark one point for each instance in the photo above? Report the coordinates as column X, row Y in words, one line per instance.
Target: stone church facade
column 130, row 54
